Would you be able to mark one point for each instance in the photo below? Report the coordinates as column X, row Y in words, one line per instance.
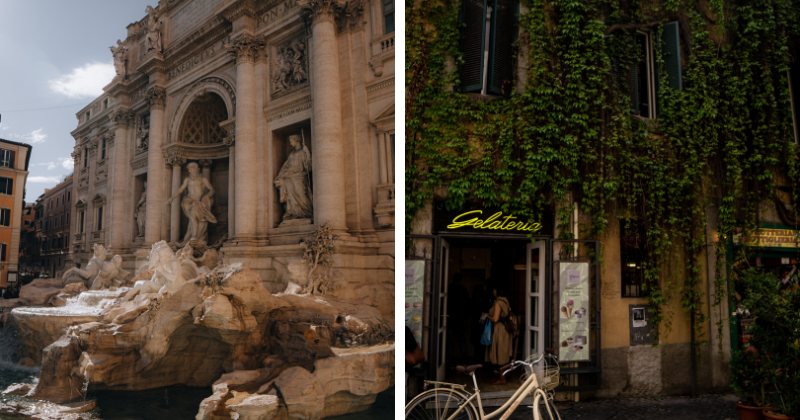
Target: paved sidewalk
column 703, row 407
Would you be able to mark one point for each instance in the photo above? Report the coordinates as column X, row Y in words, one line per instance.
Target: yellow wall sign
column 494, row 222
column 772, row 238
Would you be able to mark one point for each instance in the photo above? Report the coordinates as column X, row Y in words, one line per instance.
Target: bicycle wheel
column 440, row 404
column 544, row 408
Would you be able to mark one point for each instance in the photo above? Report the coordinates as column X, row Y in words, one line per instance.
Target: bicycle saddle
column 468, row 369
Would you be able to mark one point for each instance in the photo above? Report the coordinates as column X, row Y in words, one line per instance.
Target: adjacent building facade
column 54, row 239
column 14, row 159
column 285, row 108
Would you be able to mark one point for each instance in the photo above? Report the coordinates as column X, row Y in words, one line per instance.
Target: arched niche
column 203, row 90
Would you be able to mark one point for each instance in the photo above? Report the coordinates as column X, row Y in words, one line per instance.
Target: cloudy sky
column 54, row 59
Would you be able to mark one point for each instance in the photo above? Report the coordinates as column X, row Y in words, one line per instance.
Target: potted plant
column 749, row 381
column 774, row 356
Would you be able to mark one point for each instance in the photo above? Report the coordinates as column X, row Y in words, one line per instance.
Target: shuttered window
column 7, row 158
column 5, row 217
column 641, row 79
column 3, row 249
column 6, row 185
column 487, row 46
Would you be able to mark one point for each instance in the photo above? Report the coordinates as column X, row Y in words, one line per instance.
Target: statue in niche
column 153, row 40
column 119, row 58
column 140, row 214
column 291, row 67
column 99, row 273
column 196, row 205
column 294, row 182
column 142, row 134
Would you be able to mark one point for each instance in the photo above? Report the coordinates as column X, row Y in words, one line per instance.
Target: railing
column 383, row 44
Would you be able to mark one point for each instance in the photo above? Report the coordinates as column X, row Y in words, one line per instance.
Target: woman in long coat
column 499, row 353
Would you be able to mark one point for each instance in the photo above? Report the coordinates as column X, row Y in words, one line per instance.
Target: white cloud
column 45, row 179
column 35, row 136
column 64, row 162
column 86, row 81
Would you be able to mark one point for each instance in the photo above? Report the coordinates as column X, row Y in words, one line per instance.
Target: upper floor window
column 85, row 157
column 5, row 217
column 105, row 104
column 69, row 198
column 6, row 185
column 641, row 81
column 103, row 150
column 487, row 46
column 88, row 115
column 7, row 158
column 81, row 218
column 56, row 201
column 3, row 249
column 100, row 218
column 388, row 16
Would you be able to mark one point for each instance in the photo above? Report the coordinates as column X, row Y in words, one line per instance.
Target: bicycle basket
column 546, row 371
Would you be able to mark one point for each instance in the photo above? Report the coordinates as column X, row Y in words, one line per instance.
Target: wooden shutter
column 472, row 39
column 11, row 158
column 501, row 53
column 10, row 187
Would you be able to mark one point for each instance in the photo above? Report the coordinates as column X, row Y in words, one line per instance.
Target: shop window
column 487, row 45
column 6, row 185
column 633, row 258
column 642, row 78
column 5, row 217
column 7, row 158
column 388, row 16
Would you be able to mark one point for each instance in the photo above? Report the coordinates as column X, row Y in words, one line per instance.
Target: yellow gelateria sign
column 494, row 222
column 774, row 238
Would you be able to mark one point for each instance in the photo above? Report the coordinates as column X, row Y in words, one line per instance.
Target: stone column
column 229, row 141
column 246, row 161
column 122, row 119
column 328, row 153
column 175, row 209
column 156, row 96
column 206, row 165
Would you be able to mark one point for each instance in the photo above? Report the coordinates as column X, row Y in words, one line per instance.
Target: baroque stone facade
column 233, row 89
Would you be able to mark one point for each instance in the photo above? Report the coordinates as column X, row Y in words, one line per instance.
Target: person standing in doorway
column 499, row 353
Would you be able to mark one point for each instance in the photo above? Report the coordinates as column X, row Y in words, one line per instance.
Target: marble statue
column 99, row 273
column 291, row 66
column 169, row 270
column 294, row 182
column 140, row 214
column 119, row 58
column 153, row 40
column 196, row 205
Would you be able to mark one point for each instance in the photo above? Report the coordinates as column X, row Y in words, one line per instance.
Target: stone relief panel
column 289, row 66
column 142, row 133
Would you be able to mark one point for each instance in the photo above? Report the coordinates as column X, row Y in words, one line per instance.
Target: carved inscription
column 277, row 11
column 192, row 15
column 194, row 60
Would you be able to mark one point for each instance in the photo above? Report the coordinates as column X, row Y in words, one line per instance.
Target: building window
column 3, row 248
column 105, row 104
column 633, row 256
column 642, row 78
column 85, row 157
column 388, row 16
column 5, row 217
column 62, row 219
column 67, row 217
column 6, row 185
column 487, row 40
column 100, row 218
column 88, row 115
column 103, row 150
column 68, row 196
column 7, row 158
column 82, row 217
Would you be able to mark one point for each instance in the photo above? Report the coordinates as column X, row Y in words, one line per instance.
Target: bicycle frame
column 529, row 386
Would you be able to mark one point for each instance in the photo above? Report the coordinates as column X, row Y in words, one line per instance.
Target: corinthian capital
column 245, row 48
column 321, row 10
column 122, row 118
column 157, row 97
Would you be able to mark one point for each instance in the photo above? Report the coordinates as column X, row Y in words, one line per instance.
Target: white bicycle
column 448, row 401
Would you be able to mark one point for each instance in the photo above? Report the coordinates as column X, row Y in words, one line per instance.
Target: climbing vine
column 566, row 133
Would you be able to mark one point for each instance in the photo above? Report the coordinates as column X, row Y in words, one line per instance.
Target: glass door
column 441, row 328
column 534, row 303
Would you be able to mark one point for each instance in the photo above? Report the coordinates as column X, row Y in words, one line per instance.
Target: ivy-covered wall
column 720, row 144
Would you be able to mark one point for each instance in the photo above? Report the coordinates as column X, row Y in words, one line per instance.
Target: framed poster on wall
column 574, row 320
column 415, row 292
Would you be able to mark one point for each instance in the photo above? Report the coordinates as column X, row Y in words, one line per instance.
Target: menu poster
column 574, row 319
column 415, row 290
